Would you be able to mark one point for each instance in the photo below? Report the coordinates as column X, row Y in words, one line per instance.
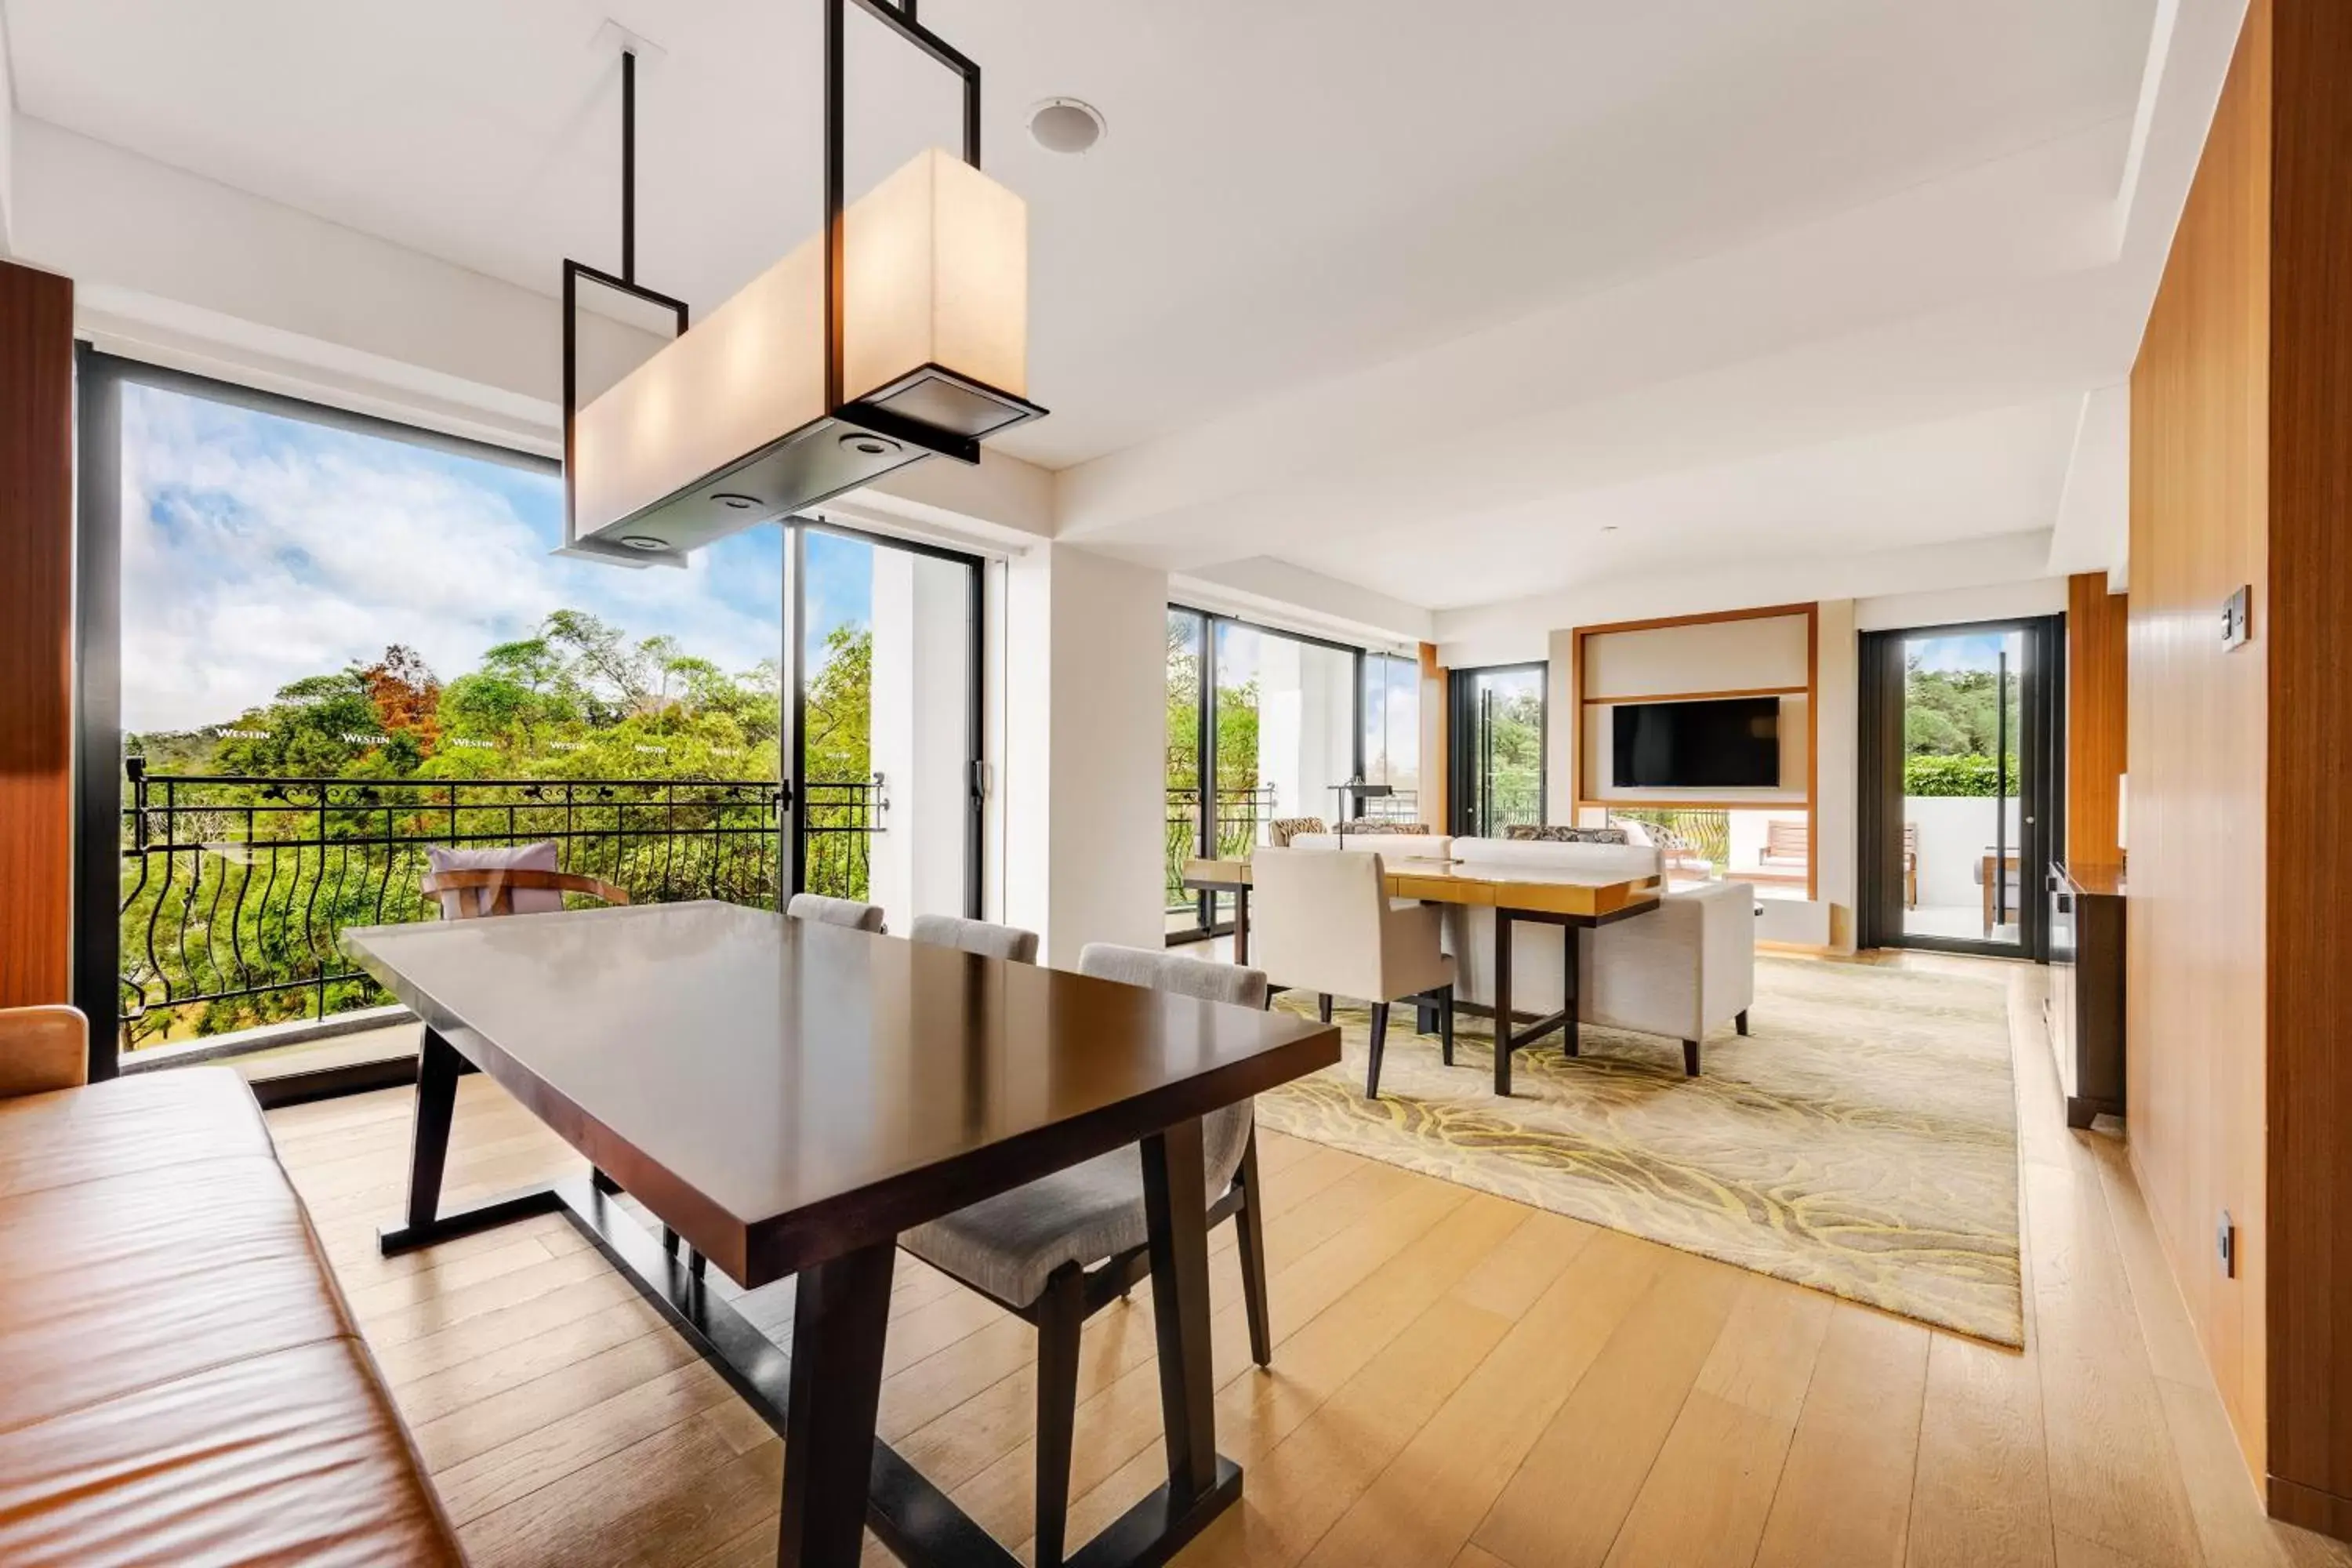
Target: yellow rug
column 1863, row 1140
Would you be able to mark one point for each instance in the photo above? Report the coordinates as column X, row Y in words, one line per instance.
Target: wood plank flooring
column 1458, row 1380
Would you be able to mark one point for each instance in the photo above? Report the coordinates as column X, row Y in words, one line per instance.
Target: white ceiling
column 1420, row 296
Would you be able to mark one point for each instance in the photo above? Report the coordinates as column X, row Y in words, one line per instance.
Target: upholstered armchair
column 1684, row 969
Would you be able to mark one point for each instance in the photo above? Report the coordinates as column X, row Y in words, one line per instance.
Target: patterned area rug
column 1863, row 1140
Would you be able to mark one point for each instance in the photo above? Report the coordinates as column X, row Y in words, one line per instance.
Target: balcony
column 236, row 890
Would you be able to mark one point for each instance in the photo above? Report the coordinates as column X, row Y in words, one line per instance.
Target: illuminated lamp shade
column 935, row 306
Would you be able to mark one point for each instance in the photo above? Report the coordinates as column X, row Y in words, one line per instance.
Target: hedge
column 1960, row 775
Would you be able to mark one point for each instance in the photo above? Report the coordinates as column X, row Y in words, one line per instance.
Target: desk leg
column 1572, row 946
column 840, row 1312
column 1241, row 923
column 1503, row 1001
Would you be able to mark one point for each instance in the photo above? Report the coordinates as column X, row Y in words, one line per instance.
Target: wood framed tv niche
column 1699, row 658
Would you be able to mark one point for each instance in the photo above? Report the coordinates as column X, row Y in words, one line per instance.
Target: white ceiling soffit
column 2094, row 529
column 1342, row 275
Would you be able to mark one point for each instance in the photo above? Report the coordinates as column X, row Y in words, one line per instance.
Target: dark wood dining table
column 787, row 1097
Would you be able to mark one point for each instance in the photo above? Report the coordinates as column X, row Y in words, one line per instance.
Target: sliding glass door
column 315, row 644
column 1266, row 724
column 1498, row 748
column 887, row 808
column 1960, row 787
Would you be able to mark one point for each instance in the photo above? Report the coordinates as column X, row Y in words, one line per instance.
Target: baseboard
column 2292, row 1502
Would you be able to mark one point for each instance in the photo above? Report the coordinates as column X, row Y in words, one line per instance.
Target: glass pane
column 1285, row 733
column 1961, row 862
column 887, row 804
column 340, row 646
column 1184, row 635
column 1506, row 750
column 1393, row 736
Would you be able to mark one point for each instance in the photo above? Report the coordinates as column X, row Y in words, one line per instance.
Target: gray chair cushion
column 975, row 936
column 1009, row 1244
column 834, row 911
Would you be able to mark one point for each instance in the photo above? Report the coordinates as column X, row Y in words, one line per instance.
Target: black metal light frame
column 882, row 412
column 627, row 283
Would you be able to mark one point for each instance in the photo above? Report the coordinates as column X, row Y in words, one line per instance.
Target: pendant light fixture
column 898, row 332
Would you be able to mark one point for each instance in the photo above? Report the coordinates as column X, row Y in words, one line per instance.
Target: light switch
column 2238, row 617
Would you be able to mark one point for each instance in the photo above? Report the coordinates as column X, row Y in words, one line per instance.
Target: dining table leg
column 1502, row 1002
column 841, row 1313
column 1175, row 1208
column 1241, row 923
column 438, row 1065
column 1201, row 1483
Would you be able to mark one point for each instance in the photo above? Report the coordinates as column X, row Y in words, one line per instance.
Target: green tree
column 841, row 708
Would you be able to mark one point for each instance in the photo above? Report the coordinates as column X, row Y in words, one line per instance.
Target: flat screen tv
column 1729, row 744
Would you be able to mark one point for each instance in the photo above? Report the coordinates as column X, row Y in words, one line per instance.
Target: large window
column 1264, row 725
column 341, row 641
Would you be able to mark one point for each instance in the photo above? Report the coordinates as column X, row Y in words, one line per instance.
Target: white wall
column 1957, row 606
column 1520, row 629
column 7, row 136
column 1956, row 833
column 1084, row 769
column 1837, row 831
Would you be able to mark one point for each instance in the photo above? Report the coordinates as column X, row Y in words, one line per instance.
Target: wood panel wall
column 2197, row 959
column 2240, row 856
column 2310, row 766
column 2097, row 723
column 35, row 635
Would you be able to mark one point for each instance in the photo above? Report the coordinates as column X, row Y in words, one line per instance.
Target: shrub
column 1955, row 776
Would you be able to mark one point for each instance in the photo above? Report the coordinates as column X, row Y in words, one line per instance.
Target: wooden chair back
column 492, row 890
column 1787, row 841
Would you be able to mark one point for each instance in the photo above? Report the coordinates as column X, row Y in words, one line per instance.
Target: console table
column 2086, row 1010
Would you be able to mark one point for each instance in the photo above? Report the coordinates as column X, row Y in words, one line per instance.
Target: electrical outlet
column 2225, row 1243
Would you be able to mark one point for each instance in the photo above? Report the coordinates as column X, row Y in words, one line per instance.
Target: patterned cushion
column 1283, row 830
column 1528, row 832
column 1368, row 825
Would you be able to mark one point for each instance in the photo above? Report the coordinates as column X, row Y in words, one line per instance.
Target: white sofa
column 1387, row 846
column 1682, row 971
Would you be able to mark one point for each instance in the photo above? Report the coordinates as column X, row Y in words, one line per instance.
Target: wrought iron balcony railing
column 236, row 890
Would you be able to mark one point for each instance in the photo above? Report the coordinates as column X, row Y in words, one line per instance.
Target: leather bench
column 180, row 1379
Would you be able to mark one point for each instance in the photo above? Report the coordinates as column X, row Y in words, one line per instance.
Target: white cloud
column 258, row 550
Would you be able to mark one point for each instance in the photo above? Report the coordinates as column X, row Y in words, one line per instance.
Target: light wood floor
column 1458, row 1380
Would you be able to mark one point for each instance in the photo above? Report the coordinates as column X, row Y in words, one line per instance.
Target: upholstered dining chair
column 976, row 937
column 834, row 911
column 1060, row 1249
column 1323, row 922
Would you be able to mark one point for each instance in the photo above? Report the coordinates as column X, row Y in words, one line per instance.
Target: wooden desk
column 1575, row 900
column 789, row 1096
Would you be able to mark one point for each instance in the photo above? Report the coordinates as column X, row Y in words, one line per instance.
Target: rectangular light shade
column 935, row 274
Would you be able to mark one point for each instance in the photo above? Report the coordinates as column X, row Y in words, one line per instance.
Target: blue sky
column 257, row 549
column 1976, row 650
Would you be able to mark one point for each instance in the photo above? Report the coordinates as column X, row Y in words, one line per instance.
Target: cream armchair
column 1682, row 971
column 1324, row 923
